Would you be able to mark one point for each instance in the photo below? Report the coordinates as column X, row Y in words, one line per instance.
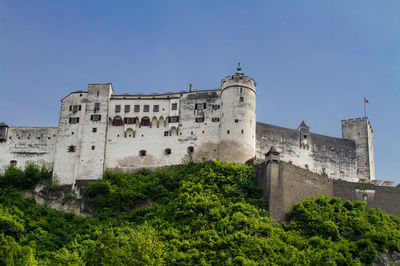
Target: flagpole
column 365, row 111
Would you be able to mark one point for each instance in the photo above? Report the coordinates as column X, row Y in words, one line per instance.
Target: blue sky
column 312, row 60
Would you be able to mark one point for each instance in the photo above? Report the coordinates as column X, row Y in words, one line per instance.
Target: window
column 137, row 108
column 215, row 119
column 130, row 120
column 241, row 99
column 117, row 121
column 94, row 130
column 142, row 153
column 95, row 117
column 70, row 107
column 118, row 108
column 166, row 134
column 93, row 147
column 96, row 107
column 13, row 163
column 216, row 106
column 200, row 106
column 167, row 151
column 74, row 120
column 242, row 131
column 71, row 148
column 305, row 136
column 156, row 108
column 227, row 132
column 174, row 106
column 173, row 119
column 127, row 108
column 145, row 121
column 190, row 150
column 236, row 120
column 75, row 108
column 199, row 119
column 146, row 108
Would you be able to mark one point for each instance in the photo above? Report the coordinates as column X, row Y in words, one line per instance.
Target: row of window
column 142, row 153
column 146, row 108
column 76, row 108
column 75, row 120
column 202, row 106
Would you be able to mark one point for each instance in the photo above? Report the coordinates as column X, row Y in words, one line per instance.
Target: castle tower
column 238, row 118
column 360, row 131
column 81, row 135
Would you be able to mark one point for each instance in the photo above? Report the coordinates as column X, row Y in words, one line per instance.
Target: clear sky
column 312, row 60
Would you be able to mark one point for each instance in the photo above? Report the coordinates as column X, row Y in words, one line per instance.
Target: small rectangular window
column 70, row 107
column 95, row 117
column 227, row 132
column 241, row 99
column 174, row 106
column 216, row 106
column 166, row 133
column 215, row 119
column 137, row 108
column 118, row 108
column 75, row 108
column 236, row 120
column 74, row 120
column 200, row 106
column 127, row 108
column 94, row 129
column 96, row 107
column 80, row 108
column 146, row 108
column 173, row 119
column 156, row 108
column 130, row 120
column 199, row 119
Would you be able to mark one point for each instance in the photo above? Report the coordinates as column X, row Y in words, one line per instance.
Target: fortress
column 100, row 130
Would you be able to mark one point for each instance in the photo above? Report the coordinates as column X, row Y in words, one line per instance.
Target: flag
column 365, row 100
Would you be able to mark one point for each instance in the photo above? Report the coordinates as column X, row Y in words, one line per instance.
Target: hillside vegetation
column 197, row 214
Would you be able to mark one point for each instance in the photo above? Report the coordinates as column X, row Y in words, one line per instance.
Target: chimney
column 190, row 87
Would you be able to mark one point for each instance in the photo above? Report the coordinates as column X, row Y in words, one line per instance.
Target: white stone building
column 100, row 130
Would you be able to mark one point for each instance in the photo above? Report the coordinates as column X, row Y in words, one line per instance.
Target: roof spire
column 239, row 70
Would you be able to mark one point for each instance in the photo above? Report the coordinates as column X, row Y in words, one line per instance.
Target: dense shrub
column 197, row 214
column 24, row 179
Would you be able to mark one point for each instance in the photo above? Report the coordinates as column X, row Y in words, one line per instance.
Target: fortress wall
column 28, row 145
column 320, row 154
column 122, row 152
column 284, row 184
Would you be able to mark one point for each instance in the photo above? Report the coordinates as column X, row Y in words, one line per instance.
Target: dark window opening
column 236, row 120
column 156, row 108
column 74, row 120
column 70, row 107
column 137, row 108
column 200, row 106
column 166, row 134
column 145, row 122
column 127, row 108
column 117, row 121
column 215, row 106
column 199, row 119
column 305, row 136
column 227, row 132
column 142, row 153
column 146, row 108
column 118, row 108
column 130, row 120
column 96, row 107
column 173, row 119
column 75, row 108
column 174, row 106
column 241, row 99
column 215, row 119
column 94, row 129
column 242, row 131
column 190, row 150
column 72, row 133
column 167, row 151
column 95, row 117
column 13, row 163
column 93, row 147
column 71, row 148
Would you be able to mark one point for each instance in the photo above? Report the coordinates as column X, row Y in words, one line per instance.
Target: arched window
column 142, row 153
column 117, row 121
column 167, row 151
column 145, row 122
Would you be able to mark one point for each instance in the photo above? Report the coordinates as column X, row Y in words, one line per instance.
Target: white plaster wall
column 28, row 145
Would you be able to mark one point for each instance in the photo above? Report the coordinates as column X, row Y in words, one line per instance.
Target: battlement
column 353, row 121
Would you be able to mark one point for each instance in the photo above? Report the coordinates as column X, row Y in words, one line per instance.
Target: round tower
column 238, row 118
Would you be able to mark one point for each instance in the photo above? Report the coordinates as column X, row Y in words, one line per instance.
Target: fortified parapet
column 360, row 131
column 238, row 118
